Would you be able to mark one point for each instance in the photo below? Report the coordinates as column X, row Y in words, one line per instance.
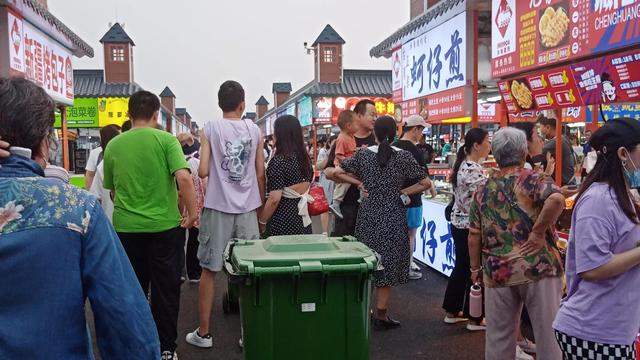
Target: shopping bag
column 320, row 205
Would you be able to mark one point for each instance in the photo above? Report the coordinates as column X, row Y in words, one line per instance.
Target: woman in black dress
column 380, row 171
column 289, row 175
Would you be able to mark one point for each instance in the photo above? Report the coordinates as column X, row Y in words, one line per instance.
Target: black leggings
column 456, row 297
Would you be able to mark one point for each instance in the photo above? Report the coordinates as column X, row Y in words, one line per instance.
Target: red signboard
column 527, row 34
column 383, row 106
column 608, row 79
column 446, row 105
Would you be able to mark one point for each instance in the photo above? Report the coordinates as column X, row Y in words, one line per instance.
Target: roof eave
column 384, row 48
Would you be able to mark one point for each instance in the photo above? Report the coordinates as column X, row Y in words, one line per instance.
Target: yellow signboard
column 112, row 111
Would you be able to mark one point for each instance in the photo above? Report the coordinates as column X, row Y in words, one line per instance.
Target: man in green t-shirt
column 141, row 168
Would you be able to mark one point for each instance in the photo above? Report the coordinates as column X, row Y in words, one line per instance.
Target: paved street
column 417, row 305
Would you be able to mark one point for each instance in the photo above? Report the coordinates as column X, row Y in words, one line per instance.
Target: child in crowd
column 345, row 148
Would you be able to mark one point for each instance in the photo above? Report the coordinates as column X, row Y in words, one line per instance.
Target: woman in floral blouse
column 467, row 175
column 512, row 249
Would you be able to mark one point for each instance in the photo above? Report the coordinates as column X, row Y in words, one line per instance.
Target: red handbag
column 320, row 205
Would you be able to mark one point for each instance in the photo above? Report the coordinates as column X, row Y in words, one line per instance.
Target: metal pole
column 474, row 115
column 559, row 141
column 65, row 137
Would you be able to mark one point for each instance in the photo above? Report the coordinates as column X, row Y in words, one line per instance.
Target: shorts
column 414, row 217
column 216, row 229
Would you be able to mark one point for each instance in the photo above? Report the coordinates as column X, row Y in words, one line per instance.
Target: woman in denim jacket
column 57, row 249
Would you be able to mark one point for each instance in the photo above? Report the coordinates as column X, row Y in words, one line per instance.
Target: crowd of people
column 154, row 194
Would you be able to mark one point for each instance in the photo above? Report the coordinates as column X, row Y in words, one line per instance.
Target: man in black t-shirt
column 412, row 132
column 365, row 117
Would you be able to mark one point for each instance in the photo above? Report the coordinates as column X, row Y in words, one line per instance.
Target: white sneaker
column 521, row 355
column 195, row 339
column 415, row 275
column 527, row 346
column 415, row 266
column 477, row 327
column 335, row 209
column 168, row 355
column 454, row 320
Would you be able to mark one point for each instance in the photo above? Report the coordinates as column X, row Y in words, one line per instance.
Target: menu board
column 546, row 90
column 528, row 34
column 608, row 79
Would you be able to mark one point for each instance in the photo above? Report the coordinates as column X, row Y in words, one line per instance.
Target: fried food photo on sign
column 554, row 24
column 522, row 94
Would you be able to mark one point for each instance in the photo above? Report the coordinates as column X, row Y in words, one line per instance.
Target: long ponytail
column 385, row 130
column 473, row 136
column 460, row 157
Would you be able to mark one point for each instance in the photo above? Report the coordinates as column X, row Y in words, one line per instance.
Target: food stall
column 441, row 71
column 559, row 55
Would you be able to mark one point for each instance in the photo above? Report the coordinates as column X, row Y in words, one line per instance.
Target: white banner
column 487, row 110
column 434, row 243
column 436, row 61
column 396, row 65
column 40, row 59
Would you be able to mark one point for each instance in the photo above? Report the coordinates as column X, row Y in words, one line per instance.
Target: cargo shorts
column 216, row 229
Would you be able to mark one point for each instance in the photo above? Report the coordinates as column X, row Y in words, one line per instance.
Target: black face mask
column 191, row 149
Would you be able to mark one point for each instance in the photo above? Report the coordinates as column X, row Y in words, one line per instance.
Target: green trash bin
column 303, row 297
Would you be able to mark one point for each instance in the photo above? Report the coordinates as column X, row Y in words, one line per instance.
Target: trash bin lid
column 301, row 254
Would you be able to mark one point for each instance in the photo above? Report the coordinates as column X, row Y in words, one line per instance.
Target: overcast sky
column 194, row 45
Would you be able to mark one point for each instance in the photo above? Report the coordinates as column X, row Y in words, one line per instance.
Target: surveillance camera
column 305, row 44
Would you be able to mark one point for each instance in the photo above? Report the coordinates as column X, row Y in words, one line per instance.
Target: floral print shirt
column 470, row 176
column 504, row 230
column 58, row 250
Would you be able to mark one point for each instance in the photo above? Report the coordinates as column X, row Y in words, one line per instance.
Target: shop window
column 329, row 54
column 117, row 53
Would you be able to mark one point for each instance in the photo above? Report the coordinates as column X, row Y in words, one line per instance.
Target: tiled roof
column 117, row 35
column 167, row 93
column 281, row 87
column 262, row 101
column 183, row 111
column 356, row 83
column 328, row 36
column 432, row 14
column 365, row 83
column 81, row 47
column 90, row 83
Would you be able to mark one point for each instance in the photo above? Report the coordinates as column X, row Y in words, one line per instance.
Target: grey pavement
column 423, row 335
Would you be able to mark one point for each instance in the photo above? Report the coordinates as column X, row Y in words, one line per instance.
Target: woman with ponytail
column 380, row 172
column 465, row 178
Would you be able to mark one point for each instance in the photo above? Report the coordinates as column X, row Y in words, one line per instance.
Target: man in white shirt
column 92, row 167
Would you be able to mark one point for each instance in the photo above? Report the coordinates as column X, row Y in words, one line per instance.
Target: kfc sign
column 40, row 59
